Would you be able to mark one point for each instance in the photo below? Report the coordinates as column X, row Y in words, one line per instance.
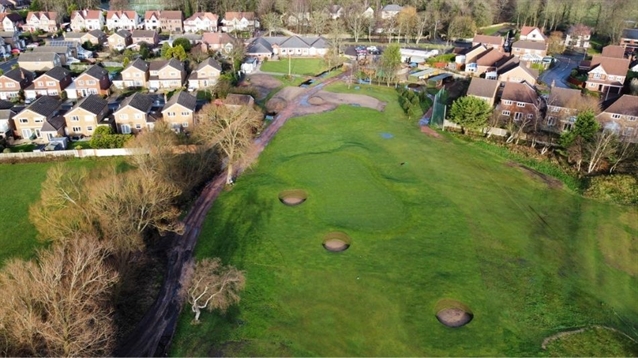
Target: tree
column 145, row 50
column 271, row 22
column 103, row 137
column 461, row 27
column 555, row 43
column 409, row 102
column 319, row 21
column 118, row 4
column 633, row 86
column 470, row 112
column 230, row 130
column 406, row 22
column 354, row 19
column 214, row 286
column 59, row 305
column 390, row 62
column 184, row 42
column 179, row 53
column 576, row 140
column 602, row 146
column 422, row 22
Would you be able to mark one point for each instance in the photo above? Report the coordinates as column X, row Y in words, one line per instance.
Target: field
column 429, row 219
column 298, row 66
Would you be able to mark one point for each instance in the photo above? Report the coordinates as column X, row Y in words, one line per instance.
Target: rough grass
column 452, row 222
column 595, row 342
column 299, row 66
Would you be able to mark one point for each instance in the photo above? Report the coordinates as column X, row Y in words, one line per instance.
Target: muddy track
column 154, row 333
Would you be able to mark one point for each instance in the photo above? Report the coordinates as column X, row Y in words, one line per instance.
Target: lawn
column 429, row 219
column 298, row 66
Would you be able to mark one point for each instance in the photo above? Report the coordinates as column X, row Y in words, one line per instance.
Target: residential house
column 11, row 21
column 89, row 113
column 205, row 75
column 389, row 11
column 148, row 36
column 297, row 18
column 622, row 117
column 152, row 20
column 495, row 42
column 122, row 20
column 172, row 21
column 166, row 75
column 216, row 41
column 633, row 67
column 483, row 89
column 135, row 114
column 615, row 51
column 46, row 21
column 532, row 33
column 578, row 36
column 201, row 21
column 239, row 21
column 234, row 100
column 13, row 39
column 50, row 83
column 260, row 48
column 135, row 75
column 14, row 81
column 73, row 36
column 95, row 80
column 517, row 72
column 95, row 37
column 40, row 120
column 335, row 11
column 562, row 108
column 6, row 122
column 607, row 74
column 63, row 52
column 529, row 51
column 368, row 13
column 295, row 46
column 469, row 56
column 629, row 39
column 487, row 63
column 36, row 61
column 86, row 20
column 179, row 111
column 119, row 40
column 519, row 101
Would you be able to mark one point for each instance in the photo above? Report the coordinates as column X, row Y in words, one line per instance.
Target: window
column 171, row 114
column 138, row 126
column 628, row 132
column 597, row 75
column 50, row 83
column 507, row 102
column 530, row 116
column 81, row 82
column 24, row 120
column 38, row 120
column 125, row 129
column 186, row 114
column 89, row 128
column 77, row 129
column 615, row 116
column 138, row 116
column 632, row 118
column 506, row 113
column 40, row 83
column 91, row 82
column 137, row 74
column 173, row 74
column 75, row 118
column 185, row 124
column 551, row 121
column 611, row 78
column 124, row 116
column 518, row 116
column 520, row 104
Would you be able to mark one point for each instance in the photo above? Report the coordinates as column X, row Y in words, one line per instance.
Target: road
column 6, row 66
column 560, row 71
column 154, row 333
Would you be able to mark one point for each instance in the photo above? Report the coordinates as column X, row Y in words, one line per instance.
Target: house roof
column 615, row 51
column 73, row 35
column 238, row 99
column 91, row 103
column 158, row 65
column 611, row 65
column 14, row 17
column 97, row 33
column 203, row 15
column 96, row 71
column 6, row 114
column 150, row 13
column 17, row 74
column 519, row 92
column 52, row 49
column 480, row 87
column 138, row 101
column 486, row 39
column 392, row 7
column 630, row 34
column 143, row 33
column 57, row 73
column 532, row 45
column 259, row 46
column 87, row 14
column 532, row 72
column 489, row 57
column 218, row 38
column 526, row 30
column 122, row 33
column 119, row 13
column 183, row 99
column 51, row 15
column 54, row 124
column 472, row 49
column 8, row 34
column 6, row 104
column 626, row 105
column 37, row 56
column 171, row 15
column 44, row 105
column 563, row 97
column 139, row 64
column 230, row 15
column 579, row 29
column 209, row 62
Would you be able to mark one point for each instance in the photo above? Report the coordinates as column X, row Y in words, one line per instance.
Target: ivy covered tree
column 470, row 113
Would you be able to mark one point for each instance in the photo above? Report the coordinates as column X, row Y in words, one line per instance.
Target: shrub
column 619, row 188
column 6, row 150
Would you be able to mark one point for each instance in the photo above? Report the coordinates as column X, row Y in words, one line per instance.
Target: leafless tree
column 119, row 4
column 59, row 304
column 354, row 19
column 271, row 22
column 214, row 286
column 624, row 150
column 422, row 23
column 406, row 22
column 319, row 21
column 601, row 147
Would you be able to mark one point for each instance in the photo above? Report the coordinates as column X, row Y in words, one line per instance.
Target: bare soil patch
column 283, row 98
column 323, row 97
column 550, row 181
column 453, row 313
column 293, row 197
column 264, row 84
column 336, row 242
column 430, row 132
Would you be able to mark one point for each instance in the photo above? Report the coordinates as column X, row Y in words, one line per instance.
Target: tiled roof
column 230, row 15
column 57, row 73
column 519, row 92
column 150, row 13
column 87, row 14
column 97, row 33
column 489, row 57
column 92, row 103
column 122, row 33
column 482, row 87
column 96, row 71
column 51, row 15
column 112, row 13
column 612, row 66
column 139, row 64
column 49, row 48
column 615, row 51
column 171, row 15
column 183, row 99
column 53, row 124
column 532, row 45
column 37, row 57
column 138, row 101
column 630, row 34
column 626, row 105
column 526, row 30
column 73, row 35
column 203, row 15
column 143, row 33
column 44, row 105
column 209, row 62
column 563, row 97
column 18, row 74
column 486, row 39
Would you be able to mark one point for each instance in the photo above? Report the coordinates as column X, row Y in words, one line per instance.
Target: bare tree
column 229, row 129
column 119, row 4
column 354, row 19
column 60, row 304
column 556, row 45
column 214, row 286
column 319, row 21
column 422, row 22
column 601, row 147
column 624, row 150
column 406, row 22
column 271, row 22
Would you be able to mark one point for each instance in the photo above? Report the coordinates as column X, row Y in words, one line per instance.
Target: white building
column 87, row 20
column 122, row 20
column 201, row 21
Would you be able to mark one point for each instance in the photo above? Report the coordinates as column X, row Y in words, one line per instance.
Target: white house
column 390, row 11
column 152, row 20
column 239, row 21
column 578, row 36
column 201, row 21
column 532, row 33
column 87, row 20
column 122, row 20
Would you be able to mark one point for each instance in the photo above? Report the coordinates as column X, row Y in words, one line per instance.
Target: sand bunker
column 452, row 313
column 293, row 197
column 280, row 100
column 323, row 97
column 336, row 242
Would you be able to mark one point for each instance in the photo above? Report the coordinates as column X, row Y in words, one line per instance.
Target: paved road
column 6, row 66
column 561, row 70
column 154, row 333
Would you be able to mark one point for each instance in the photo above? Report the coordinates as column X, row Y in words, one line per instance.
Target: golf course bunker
column 336, row 241
column 452, row 313
column 293, row 197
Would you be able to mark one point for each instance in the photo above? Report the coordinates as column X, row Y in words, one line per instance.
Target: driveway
column 6, row 66
column 560, row 71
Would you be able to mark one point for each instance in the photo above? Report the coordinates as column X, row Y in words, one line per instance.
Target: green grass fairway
column 429, row 219
column 298, row 66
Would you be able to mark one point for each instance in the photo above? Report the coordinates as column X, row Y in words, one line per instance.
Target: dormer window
column 520, row 104
column 507, row 102
column 615, row 116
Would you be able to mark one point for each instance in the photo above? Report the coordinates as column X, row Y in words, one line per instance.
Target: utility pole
column 289, row 66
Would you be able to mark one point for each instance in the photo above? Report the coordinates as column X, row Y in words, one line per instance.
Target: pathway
column 153, row 334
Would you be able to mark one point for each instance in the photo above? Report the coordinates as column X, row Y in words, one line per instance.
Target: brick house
column 469, row 57
column 622, row 117
column 239, row 21
column 134, row 114
column 519, row 101
column 562, row 108
column 95, row 80
column 149, row 36
column 50, row 83
column 11, row 22
column 205, row 75
column 135, row 75
column 629, row 39
column 216, row 41
column 31, row 122
column 14, row 81
column 95, row 37
column 179, row 111
column 483, row 89
column 86, row 20
column 89, row 113
column 122, row 20
column 607, row 74
column 172, row 21
column 166, row 75
column 46, row 21
column 532, row 33
column 529, row 51
column 518, row 73
column 119, row 40
column 495, row 42
column 36, row 61
column 201, row 21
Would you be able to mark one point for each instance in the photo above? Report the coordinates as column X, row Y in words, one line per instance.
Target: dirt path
column 153, row 334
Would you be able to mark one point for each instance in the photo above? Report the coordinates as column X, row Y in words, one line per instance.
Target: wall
column 82, row 153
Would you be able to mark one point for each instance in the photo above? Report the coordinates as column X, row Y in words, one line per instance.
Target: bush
column 104, row 138
column 619, row 188
column 6, row 150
